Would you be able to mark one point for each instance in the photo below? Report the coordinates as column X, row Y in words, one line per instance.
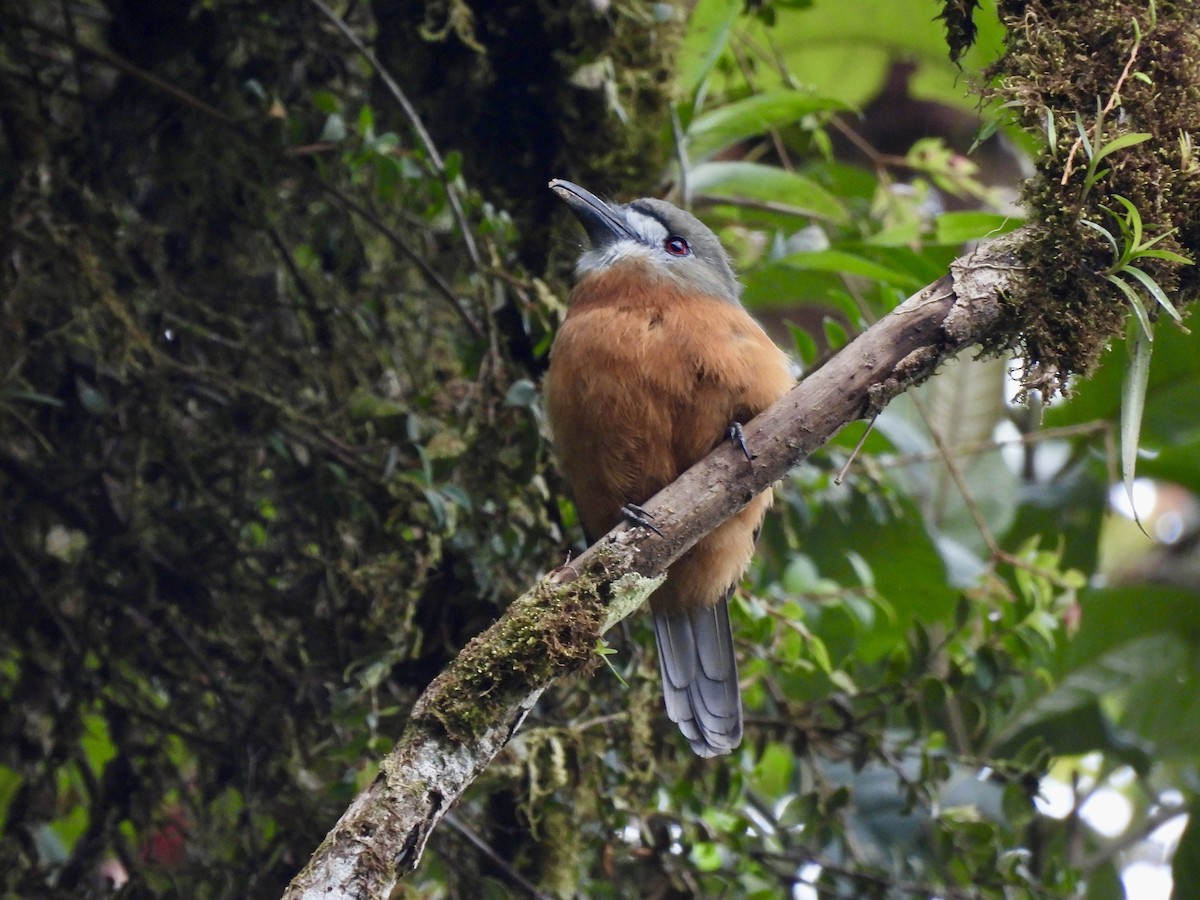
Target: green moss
column 550, row 630
column 1065, row 61
column 959, row 16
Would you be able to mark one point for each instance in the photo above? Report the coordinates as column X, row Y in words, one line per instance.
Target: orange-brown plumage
column 647, row 374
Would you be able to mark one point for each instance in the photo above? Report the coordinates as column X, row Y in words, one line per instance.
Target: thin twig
column 494, row 858
column 960, row 482
column 1113, row 99
column 418, row 126
column 980, row 447
column 857, row 449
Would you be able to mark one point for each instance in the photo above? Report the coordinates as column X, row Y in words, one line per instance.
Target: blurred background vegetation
column 276, row 291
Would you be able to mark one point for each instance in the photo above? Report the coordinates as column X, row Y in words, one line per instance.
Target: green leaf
column 1071, row 721
column 1174, row 385
column 707, row 35
column 835, row 333
column 1132, row 222
column 849, row 264
column 1133, row 402
column 726, row 125
column 1169, row 255
column 1136, row 305
column 1125, row 140
column 773, row 188
column 1083, row 136
column 1105, row 233
column 960, row 227
column 1185, row 865
column 1155, row 291
column 1104, row 882
column 820, row 654
column 908, row 571
column 32, row 397
column 326, row 102
column 774, row 771
column 806, row 346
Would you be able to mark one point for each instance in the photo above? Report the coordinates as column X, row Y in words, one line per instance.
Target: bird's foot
column 739, row 437
column 635, row 515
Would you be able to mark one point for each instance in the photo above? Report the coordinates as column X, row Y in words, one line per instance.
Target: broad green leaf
column 769, row 187
column 775, row 770
column 1072, row 718
column 835, row 333
column 908, row 571
column 1113, row 617
column 1164, row 709
column 849, row 264
column 847, row 53
column 960, row 227
column 726, row 125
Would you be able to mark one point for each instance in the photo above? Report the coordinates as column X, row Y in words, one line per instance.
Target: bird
column 655, row 364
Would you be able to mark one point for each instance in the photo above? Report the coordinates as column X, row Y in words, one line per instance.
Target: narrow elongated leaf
column 1133, row 220
column 1133, row 402
column 1125, row 140
column 1169, row 255
column 1104, row 232
column 1155, row 291
column 1135, row 301
column 1083, row 135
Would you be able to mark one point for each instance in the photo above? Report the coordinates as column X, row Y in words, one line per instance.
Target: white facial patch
column 651, row 234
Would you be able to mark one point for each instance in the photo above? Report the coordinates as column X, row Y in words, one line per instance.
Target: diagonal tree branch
column 473, row 708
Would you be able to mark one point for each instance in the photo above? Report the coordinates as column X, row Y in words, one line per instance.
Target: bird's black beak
column 602, row 222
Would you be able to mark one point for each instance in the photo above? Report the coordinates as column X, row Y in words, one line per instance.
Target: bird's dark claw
column 739, row 437
column 635, row 515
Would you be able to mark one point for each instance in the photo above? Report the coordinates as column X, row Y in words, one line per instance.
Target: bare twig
column 1113, row 99
column 418, row 127
column 854, row 453
column 956, row 475
column 495, row 858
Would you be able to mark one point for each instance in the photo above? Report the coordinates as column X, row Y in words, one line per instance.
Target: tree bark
column 476, row 705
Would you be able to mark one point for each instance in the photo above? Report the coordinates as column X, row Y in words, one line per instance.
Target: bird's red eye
column 676, row 246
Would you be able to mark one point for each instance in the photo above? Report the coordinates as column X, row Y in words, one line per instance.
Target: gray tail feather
column 699, row 674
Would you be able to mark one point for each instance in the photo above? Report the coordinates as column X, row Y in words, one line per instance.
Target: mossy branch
column 475, row 706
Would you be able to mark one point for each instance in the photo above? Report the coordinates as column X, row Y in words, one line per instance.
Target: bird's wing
column 699, row 673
